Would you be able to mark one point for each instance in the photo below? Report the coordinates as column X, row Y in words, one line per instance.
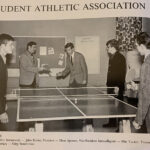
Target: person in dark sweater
column 6, row 47
column 116, row 73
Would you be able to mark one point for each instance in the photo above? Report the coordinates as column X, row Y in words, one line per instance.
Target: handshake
column 59, row 75
column 44, row 69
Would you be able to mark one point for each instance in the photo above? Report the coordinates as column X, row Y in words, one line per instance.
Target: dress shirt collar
column 72, row 55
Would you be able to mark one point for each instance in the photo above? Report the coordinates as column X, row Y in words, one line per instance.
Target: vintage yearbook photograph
column 73, row 77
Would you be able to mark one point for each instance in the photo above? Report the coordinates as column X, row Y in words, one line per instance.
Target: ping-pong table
column 47, row 104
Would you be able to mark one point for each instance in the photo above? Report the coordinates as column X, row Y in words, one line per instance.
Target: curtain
column 126, row 29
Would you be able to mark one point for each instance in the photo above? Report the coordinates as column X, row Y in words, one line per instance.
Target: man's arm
column 2, row 91
column 2, row 101
column 144, row 94
column 84, row 69
column 3, row 114
column 66, row 71
column 25, row 66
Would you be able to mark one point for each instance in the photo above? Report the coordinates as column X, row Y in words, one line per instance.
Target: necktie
column 71, row 60
column 33, row 60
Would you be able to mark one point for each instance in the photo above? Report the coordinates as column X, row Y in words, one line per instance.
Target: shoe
column 109, row 125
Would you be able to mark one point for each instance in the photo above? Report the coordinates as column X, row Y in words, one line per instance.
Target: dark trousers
column 113, row 121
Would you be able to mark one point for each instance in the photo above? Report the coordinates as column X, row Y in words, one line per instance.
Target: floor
column 55, row 126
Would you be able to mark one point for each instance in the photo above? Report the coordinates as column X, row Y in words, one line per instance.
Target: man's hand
column 84, row 82
column 50, row 73
column 116, row 90
column 132, row 85
column 40, row 69
column 4, row 118
column 136, row 125
column 59, row 74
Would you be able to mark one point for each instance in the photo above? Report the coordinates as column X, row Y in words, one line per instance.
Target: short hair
column 113, row 43
column 69, row 45
column 30, row 44
column 143, row 38
column 4, row 38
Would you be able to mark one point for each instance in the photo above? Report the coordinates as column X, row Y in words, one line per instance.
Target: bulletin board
column 50, row 50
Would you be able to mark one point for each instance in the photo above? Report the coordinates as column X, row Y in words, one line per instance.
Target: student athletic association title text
column 75, row 7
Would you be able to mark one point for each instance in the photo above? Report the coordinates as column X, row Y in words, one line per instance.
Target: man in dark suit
column 116, row 73
column 6, row 47
column 75, row 66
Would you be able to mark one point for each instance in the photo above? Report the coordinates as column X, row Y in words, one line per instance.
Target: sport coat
column 144, row 93
column 28, row 69
column 78, row 70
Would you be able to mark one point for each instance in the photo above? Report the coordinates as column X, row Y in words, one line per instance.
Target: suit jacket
column 117, row 72
column 28, row 69
column 144, row 92
column 3, row 85
column 78, row 71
